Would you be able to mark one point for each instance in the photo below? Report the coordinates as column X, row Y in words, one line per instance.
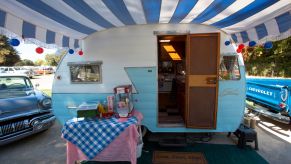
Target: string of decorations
column 266, row 45
column 39, row 50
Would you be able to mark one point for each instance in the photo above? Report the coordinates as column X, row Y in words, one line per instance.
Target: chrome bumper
column 41, row 125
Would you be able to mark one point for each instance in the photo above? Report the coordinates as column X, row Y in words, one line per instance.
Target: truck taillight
column 282, row 105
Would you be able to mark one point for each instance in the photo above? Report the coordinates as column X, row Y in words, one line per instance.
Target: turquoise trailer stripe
column 62, row 101
column 230, row 101
column 144, row 80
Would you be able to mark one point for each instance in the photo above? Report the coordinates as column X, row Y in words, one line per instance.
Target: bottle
column 101, row 108
column 110, row 104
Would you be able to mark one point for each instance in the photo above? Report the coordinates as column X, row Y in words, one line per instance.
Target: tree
column 24, row 62
column 39, row 62
column 53, row 59
column 8, row 55
column 269, row 62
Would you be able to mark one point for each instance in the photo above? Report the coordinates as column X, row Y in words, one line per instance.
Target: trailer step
column 264, row 111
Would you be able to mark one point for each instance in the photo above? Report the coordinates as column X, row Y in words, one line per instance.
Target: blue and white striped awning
column 66, row 22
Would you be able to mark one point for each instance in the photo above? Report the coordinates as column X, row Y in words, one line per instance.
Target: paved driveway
column 49, row 148
column 44, row 148
column 44, row 81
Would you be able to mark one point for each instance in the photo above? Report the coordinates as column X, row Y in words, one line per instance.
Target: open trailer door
column 202, row 61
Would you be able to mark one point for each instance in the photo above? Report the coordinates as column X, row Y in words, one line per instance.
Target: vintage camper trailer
column 184, row 77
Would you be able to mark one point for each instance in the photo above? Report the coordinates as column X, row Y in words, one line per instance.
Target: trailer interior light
column 165, row 41
column 175, row 56
column 169, row 48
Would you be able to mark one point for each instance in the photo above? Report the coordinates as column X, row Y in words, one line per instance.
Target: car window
column 14, row 87
column 14, row 83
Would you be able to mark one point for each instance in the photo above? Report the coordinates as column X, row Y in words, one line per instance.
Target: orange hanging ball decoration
column 80, row 52
column 39, row 50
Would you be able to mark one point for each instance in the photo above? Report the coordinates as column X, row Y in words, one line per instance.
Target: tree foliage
column 24, row 62
column 39, row 62
column 8, row 55
column 53, row 59
column 275, row 62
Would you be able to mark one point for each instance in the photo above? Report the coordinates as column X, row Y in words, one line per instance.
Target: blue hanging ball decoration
column 252, row 43
column 71, row 51
column 227, row 43
column 268, row 45
column 14, row 42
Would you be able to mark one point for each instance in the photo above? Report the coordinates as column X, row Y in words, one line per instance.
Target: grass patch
column 47, row 91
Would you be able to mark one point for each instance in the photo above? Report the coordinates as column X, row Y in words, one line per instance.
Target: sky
column 27, row 51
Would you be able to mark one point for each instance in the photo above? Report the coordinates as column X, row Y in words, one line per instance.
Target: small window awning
column 66, row 22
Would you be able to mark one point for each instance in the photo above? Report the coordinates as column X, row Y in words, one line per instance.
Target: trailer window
column 229, row 68
column 87, row 72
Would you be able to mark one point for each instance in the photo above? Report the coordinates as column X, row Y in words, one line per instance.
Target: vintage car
column 44, row 70
column 24, row 110
column 17, row 70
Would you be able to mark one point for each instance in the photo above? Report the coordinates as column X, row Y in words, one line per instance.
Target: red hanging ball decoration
column 39, row 50
column 241, row 46
column 80, row 52
column 238, row 50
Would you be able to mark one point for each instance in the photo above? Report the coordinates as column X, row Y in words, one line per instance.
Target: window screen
column 87, row 72
column 229, row 68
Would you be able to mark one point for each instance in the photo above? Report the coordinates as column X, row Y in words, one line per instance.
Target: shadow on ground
column 43, row 148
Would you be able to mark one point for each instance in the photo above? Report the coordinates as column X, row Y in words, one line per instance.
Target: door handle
column 211, row 80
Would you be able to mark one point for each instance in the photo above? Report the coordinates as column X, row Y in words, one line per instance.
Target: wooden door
column 202, row 80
